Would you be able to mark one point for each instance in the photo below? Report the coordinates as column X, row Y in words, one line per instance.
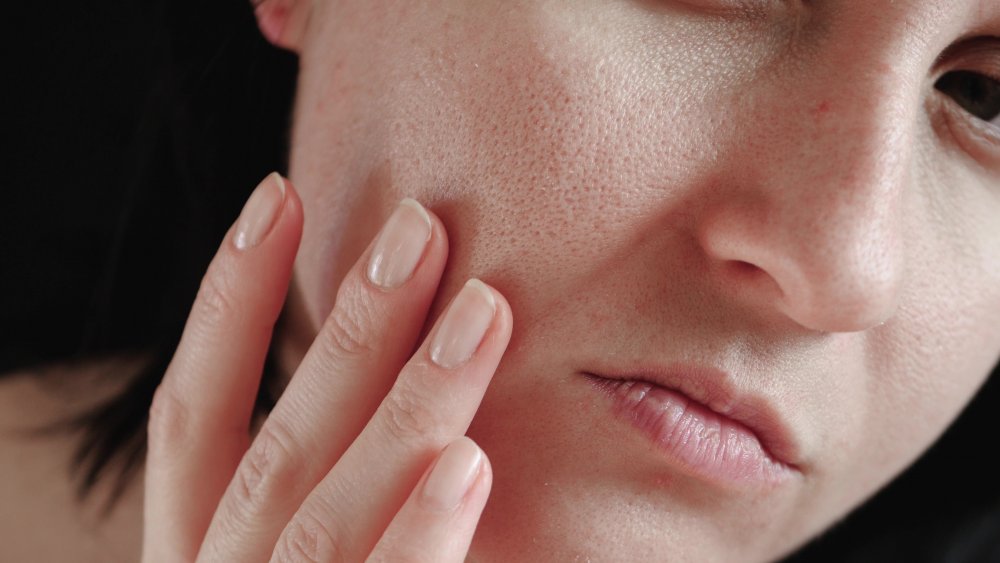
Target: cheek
column 546, row 152
column 541, row 134
column 948, row 337
column 927, row 362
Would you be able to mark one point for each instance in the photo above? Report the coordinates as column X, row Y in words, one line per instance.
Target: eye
column 976, row 93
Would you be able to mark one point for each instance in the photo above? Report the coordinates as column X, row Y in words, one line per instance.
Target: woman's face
column 765, row 196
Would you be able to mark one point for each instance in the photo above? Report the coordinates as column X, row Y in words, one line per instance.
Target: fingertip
column 291, row 214
column 277, row 246
column 453, row 475
column 260, row 213
column 485, row 481
column 435, row 253
column 479, row 492
column 292, row 201
column 260, row 246
column 437, row 224
column 503, row 316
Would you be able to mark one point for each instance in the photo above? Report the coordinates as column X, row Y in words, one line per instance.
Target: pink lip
column 700, row 424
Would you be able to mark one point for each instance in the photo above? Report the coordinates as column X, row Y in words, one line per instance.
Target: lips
column 694, row 417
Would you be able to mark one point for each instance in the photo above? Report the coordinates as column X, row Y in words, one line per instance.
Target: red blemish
column 822, row 109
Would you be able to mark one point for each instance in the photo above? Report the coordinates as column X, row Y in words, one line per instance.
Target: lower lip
column 696, row 439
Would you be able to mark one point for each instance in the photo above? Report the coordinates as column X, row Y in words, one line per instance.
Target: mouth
column 702, row 427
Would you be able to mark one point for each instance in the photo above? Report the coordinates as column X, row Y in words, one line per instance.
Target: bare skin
column 378, row 470
column 779, row 193
column 775, row 190
column 40, row 499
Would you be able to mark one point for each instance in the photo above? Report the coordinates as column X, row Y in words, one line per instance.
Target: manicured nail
column 452, row 476
column 260, row 212
column 400, row 245
column 464, row 325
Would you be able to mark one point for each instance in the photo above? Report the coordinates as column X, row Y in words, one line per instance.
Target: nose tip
column 816, row 200
column 827, row 276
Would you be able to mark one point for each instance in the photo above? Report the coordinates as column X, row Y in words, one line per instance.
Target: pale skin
column 779, row 192
column 776, row 190
column 329, row 476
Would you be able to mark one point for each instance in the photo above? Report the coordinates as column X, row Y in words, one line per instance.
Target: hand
column 363, row 457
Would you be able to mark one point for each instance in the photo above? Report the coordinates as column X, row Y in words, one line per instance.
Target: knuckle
column 267, row 470
column 348, row 328
column 307, row 540
column 169, row 420
column 214, row 302
column 409, row 413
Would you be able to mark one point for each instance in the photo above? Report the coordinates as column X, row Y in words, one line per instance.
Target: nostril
column 839, row 275
column 745, row 272
column 750, row 279
column 742, row 268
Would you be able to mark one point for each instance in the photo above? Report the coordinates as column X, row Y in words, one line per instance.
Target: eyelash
column 977, row 86
column 967, row 118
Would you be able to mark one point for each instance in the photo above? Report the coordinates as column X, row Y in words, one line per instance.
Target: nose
column 808, row 219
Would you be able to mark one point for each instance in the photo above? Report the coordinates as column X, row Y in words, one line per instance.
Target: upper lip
column 714, row 389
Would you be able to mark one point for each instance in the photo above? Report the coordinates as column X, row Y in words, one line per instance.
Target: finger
column 438, row 521
column 200, row 415
column 432, row 402
column 380, row 309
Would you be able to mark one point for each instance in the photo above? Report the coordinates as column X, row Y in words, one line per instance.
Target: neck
column 36, row 474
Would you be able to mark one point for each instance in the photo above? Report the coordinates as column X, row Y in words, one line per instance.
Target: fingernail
column 464, row 325
column 452, row 476
column 400, row 245
column 260, row 212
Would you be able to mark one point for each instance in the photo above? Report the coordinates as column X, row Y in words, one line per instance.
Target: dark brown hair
column 142, row 127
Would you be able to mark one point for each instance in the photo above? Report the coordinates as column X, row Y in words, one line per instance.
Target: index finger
column 200, row 416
